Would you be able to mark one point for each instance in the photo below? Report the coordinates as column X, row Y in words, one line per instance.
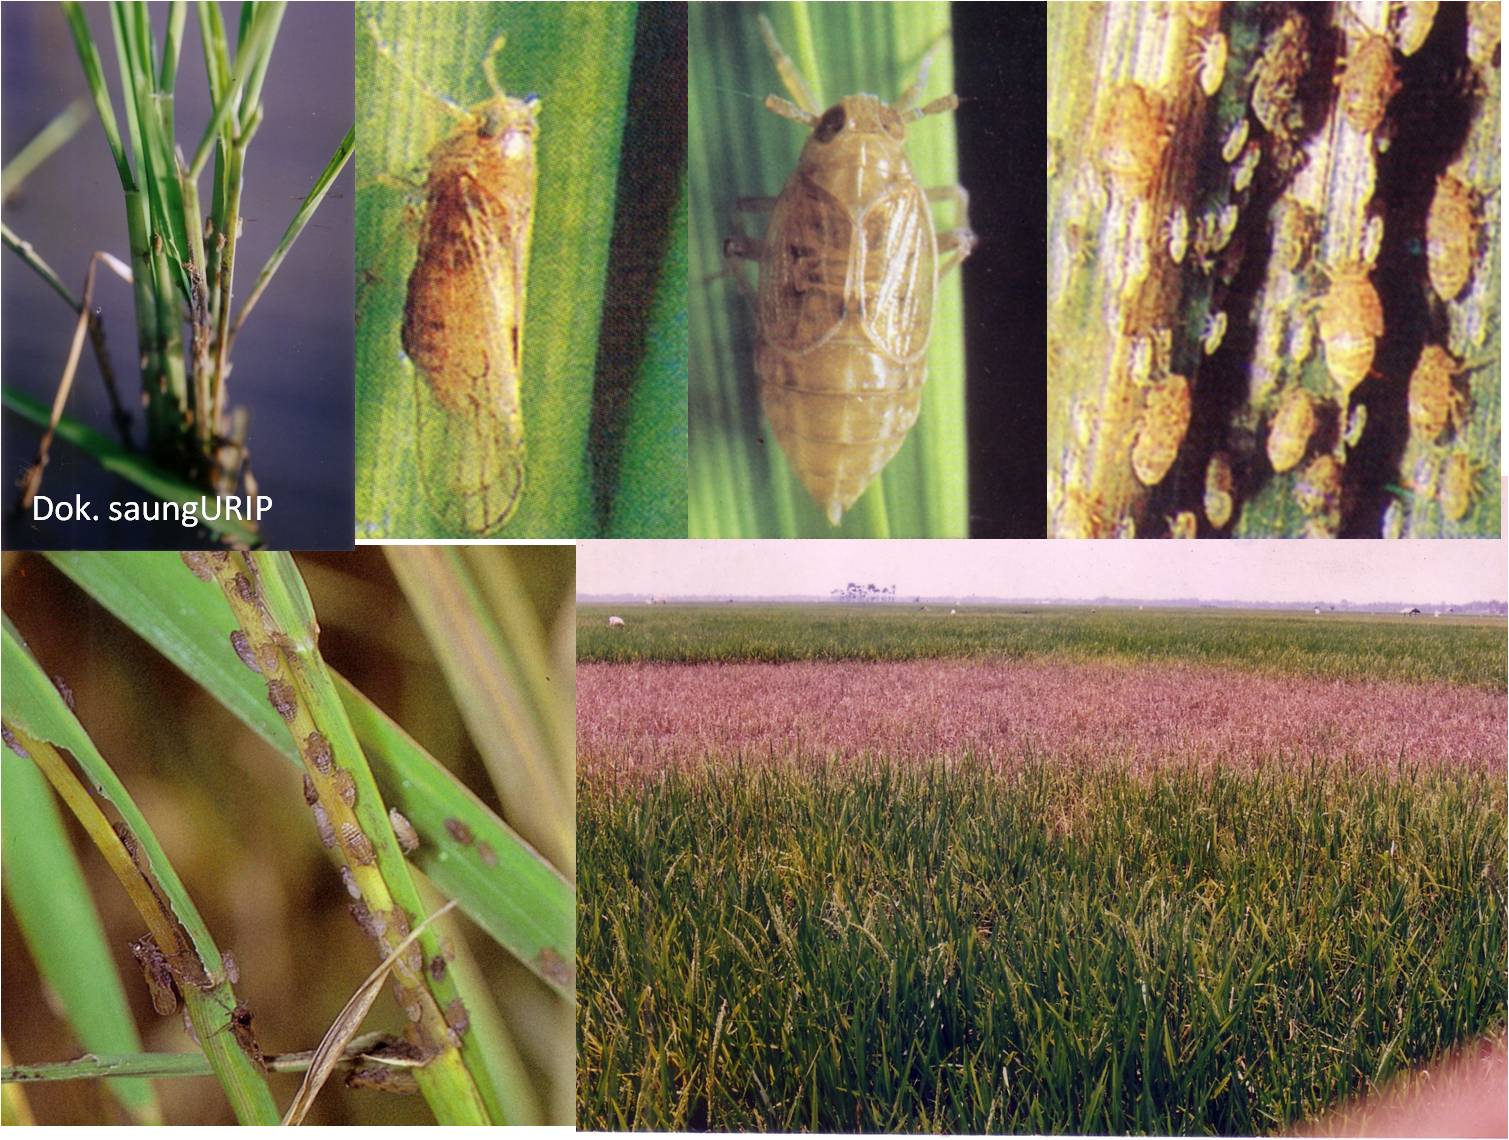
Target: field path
column 654, row 715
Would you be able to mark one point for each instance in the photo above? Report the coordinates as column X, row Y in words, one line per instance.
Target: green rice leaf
column 45, row 888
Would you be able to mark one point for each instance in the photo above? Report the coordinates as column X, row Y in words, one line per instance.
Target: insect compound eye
column 830, row 124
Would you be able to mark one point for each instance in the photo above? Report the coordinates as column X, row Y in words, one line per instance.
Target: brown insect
column 345, row 786
column 1459, row 485
column 848, row 267
column 463, row 318
column 1218, row 486
column 1351, row 321
column 1368, row 81
column 157, row 973
column 1451, row 236
column 408, row 838
column 1131, row 138
column 245, row 651
column 1164, row 421
column 1294, row 233
column 283, row 698
column 246, row 1040
column 317, row 752
column 356, row 844
column 1289, row 434
column 1433, row 398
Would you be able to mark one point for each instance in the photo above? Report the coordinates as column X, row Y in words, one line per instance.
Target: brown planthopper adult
column 463, row 315
column 848, row 267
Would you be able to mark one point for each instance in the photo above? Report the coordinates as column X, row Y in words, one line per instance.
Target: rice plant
column 849, row 872
column 183, row 187
column 208, row 842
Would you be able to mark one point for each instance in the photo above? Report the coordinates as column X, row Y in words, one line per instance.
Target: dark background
column 999, row 52
column 293, row 359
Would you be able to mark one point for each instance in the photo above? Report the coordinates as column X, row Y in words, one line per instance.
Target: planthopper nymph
column 848, row 265
column 463, row 313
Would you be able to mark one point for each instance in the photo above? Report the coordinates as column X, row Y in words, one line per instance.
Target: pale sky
column 1278, row 571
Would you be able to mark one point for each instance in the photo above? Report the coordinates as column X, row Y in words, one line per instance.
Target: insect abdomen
column 841, row 412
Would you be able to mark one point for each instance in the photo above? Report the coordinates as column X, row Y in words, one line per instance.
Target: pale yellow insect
column 1451, row 236
column 1372, row 239
column 1176, row 232
column 1236, row 139
column 1434, row 400
column 1393, row 520
column 1289, row 434
column 1131, row 138
column 1215, row 332
column 1351, row 321
column 1218, row 487
column 1357, row 423
column 1161, row 429
column 1460, row 484
column 1243, row 172
column 848, row 267
column 1368, row 81
column 1207, row 61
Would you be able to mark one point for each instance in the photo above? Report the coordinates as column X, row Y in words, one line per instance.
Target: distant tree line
column 854, row 592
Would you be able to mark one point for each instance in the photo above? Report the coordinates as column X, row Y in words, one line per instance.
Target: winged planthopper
column 848, row 268
column 463, row 313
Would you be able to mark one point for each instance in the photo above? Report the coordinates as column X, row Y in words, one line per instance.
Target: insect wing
column 898, row 261
column 804, row 267
column 463, row 328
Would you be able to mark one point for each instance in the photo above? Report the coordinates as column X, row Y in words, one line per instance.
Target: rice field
column 1133, row 885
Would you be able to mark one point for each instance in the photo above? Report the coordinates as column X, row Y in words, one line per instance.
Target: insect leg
column 958, row 242
column 741, row 247
column 791, row 78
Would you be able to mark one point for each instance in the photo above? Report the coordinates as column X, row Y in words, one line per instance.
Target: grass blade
column 45, row 887
column 301, row 218
column 41, row 723
column 127, row 464
column 496, row 666
column 43, row 145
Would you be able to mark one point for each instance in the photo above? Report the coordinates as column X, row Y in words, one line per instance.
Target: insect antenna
column 791, row 78
column 491, row 71
column 450, row 106
column 789, row 110
column 936, row 107
column 918, row 85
